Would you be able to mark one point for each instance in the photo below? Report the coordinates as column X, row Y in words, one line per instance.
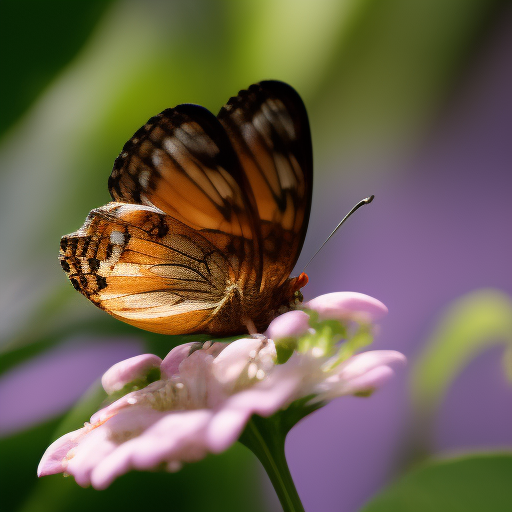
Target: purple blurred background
column 440, row 227
column 48, row 385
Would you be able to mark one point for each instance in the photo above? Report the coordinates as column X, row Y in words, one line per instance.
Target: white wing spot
column 285, row 172
column 277, row 106
column 261, row 122
column 247, row 130
column 126, row 208
column 156, row 159
column 117, row 238
column 144, row 179
column 170, row 146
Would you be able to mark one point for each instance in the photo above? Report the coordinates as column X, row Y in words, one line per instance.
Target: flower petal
column 226, row 427
column 137, row 397
column 361, row 374
column 175, row 436
column 52, row 460
column 230, row 363
column 171, row 363
column 232, row 366
column 288, row 325
column 361, row 363
column 347, row 305
column 368, row 382
column 92, row 449
column 277, row 389
column 128, row 370
column 107, row 438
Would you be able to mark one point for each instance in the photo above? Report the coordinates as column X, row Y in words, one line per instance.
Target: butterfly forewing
column 268, row 127
column 182, row 162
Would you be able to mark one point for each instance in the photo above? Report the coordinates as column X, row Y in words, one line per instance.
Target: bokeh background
column 410, row 101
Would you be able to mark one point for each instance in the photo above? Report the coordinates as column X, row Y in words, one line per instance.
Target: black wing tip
column 189, row 108
column 273, row 84
column 206, row 118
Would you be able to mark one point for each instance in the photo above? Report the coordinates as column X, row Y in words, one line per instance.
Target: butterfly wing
column 209, row 219
column 268, row 127
column 246, row 177
column 182, row 162
column 147, row 269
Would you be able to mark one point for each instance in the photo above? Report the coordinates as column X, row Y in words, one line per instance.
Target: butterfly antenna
column 367, row 200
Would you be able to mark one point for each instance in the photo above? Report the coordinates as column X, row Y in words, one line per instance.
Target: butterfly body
column 208, row 219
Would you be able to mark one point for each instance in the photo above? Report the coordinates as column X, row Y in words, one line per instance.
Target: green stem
column 266, row 440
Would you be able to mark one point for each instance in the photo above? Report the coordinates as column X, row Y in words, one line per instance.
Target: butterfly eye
column 298, row 297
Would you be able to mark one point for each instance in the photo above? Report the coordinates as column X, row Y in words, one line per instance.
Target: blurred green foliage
column 469, row 326
column 37, row 39
column 471, row 483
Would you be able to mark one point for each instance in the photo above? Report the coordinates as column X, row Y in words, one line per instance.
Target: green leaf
column 471, row 325
column 470, row 483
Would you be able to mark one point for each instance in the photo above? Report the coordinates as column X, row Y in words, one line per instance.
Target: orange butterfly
column 209, row 217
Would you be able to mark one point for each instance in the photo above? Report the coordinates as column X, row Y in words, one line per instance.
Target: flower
column 199, row 399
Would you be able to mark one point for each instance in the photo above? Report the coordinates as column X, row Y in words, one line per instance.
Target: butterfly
column 208, row 218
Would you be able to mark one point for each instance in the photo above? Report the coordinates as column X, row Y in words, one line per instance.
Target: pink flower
column 206, row 394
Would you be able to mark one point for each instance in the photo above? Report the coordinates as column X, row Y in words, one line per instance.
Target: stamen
column 252, row 370
column 317, row 352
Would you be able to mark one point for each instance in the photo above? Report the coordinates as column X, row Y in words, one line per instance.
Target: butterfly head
column 296, row 283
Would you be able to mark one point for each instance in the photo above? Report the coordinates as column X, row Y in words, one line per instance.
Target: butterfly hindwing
column 146, row 268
